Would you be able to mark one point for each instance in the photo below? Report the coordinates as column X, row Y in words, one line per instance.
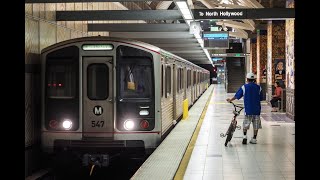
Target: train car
column 105, row 96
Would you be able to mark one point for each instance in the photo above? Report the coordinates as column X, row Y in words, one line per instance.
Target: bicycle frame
column 233, row 125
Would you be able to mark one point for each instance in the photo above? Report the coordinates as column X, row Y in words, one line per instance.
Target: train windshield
column 134, row 73
column 61, row 79
column 136, row 78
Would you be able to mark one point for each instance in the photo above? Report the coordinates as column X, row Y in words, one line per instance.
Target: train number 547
column 97, row 124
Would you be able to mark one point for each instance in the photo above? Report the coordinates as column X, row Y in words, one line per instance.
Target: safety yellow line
column 185, row 160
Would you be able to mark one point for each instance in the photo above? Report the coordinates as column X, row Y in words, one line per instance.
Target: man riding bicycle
column 252, row 95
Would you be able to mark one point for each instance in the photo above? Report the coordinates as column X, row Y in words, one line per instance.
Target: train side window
column 182, row 79
column 98, row 81
column 162, row 81
column 188, row 78
column 178, row 80
column 168, row 81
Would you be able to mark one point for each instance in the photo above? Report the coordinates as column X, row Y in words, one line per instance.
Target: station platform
column 194, row 149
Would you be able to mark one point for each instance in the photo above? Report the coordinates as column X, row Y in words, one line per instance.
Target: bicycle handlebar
column 235, row 107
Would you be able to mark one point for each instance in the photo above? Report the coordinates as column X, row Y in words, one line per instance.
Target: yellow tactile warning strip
column 185, row 160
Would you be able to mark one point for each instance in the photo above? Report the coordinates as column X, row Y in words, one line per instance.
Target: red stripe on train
column 156, row 132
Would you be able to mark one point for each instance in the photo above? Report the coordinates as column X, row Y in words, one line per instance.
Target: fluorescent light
column 182, row 5
column 187, row 16
column 185, row 11
column 207, row 53
column 225, row 2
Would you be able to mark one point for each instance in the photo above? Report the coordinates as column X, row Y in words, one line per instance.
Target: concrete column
column 247, row 49
column 276, row 55
column 261, row 54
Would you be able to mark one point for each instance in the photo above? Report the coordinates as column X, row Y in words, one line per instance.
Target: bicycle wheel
column 229, row 137
column 229, row 134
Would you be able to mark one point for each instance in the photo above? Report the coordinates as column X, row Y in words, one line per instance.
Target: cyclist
column 252, row 95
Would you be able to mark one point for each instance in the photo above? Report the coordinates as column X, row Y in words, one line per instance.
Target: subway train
column 105, row 96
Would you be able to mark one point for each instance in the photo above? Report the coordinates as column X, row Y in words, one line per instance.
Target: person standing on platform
column 252, row 97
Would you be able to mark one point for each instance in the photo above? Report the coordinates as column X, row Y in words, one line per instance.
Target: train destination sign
column 253, row 13
column 97, row 47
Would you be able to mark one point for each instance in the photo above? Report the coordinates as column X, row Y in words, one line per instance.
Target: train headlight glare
column 67, row 124
column 128, row 124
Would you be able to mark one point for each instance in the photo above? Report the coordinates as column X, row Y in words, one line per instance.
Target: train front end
column 99, row 100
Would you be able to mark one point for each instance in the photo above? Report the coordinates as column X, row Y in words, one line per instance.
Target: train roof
column 121, row 40
column 164, row 52
column 102, row 38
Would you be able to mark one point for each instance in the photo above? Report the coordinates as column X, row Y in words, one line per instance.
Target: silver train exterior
column 107, row 95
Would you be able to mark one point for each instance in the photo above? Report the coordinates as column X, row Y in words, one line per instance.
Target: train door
column 198, row 85
column 194, row 91
column 97, row 97
column 191, row 84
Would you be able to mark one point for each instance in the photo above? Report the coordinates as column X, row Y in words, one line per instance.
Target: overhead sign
column 216, row 39
column 230, row 55
column 217, row 59
column 215, row 28
column 219, row 14
column 254, row 13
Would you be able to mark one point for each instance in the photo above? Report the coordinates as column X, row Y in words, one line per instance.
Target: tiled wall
column 276, row 45
column 40, row 31
column 253, row 55
column 290, row 64
column 276, row 50
column 261, row 53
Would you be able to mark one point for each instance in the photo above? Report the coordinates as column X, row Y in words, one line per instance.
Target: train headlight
column 67, row 124
column 128, row 124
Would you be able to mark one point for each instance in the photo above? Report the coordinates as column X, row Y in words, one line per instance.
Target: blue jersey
column 252, row 95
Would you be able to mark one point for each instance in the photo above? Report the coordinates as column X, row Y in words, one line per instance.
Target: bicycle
column 233, row 125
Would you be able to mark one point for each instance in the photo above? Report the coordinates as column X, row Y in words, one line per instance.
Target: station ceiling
column 163, row 23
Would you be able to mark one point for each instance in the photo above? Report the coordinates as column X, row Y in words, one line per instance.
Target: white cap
column 250, row 75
